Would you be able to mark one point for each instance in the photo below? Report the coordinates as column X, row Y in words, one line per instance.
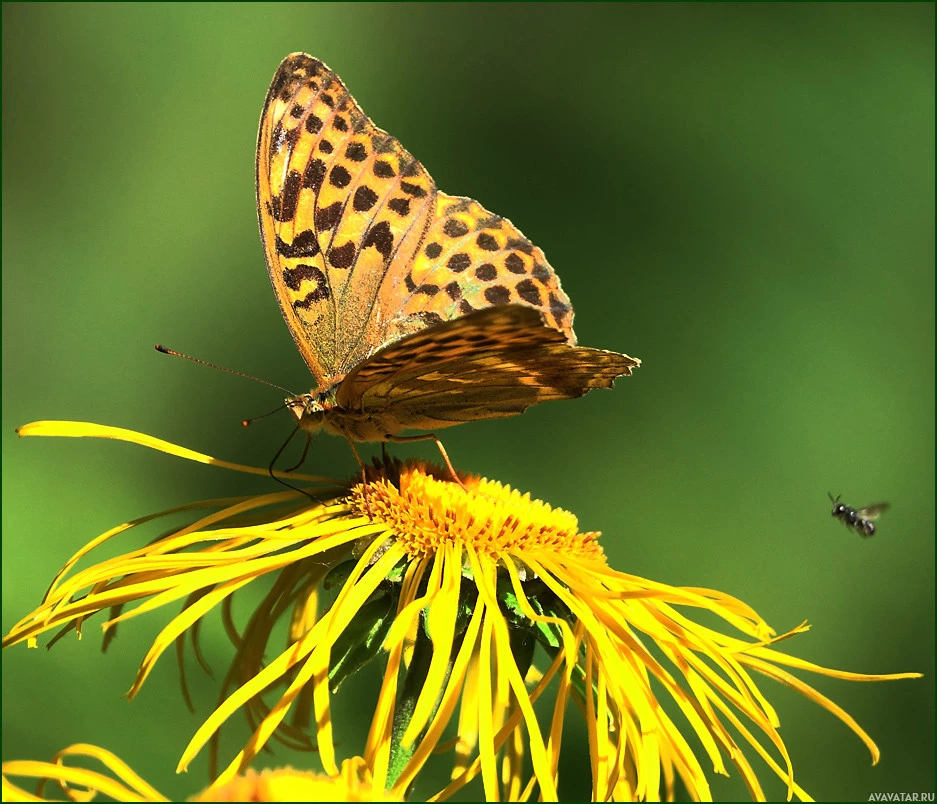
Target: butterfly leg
column 279, row 453
column 302, row 460
column 364, row 476
column 440, row 447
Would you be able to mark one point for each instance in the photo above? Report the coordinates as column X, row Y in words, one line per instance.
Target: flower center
column 426, row 511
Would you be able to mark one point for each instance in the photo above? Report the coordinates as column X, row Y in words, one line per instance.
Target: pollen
column 425, row 511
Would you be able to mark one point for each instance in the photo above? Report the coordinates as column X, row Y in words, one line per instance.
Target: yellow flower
column 354, row 783
column 465, row 590
column 122, row 784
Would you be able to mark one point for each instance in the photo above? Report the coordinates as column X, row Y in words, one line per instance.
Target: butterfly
column 414, row 309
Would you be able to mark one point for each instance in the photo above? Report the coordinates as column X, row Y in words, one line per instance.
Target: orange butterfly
column 412, row 308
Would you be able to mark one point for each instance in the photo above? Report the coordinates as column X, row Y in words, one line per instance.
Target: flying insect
column 861, row 520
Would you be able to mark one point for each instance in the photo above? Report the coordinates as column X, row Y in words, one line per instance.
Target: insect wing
column 873, row 511
column 487, row 364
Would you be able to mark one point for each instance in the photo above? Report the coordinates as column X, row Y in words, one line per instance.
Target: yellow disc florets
column 425, row 511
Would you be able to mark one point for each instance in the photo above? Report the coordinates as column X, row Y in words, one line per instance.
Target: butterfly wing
column 471, row 259
column 361, row 248
column 339, row 202
column 489, row 363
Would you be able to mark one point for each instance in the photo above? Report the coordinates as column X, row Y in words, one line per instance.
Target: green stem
column 413, row 683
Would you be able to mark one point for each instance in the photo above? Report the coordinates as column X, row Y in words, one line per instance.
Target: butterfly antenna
column 248, row 422
column 165, row 351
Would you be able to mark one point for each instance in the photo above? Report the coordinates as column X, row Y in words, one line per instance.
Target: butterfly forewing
column 339, row 201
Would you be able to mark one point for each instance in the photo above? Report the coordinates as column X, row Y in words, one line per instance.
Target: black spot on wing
column 454, row 228
column 399, row 205
column 383, row 144
column 486, row 272
column 328, row 217
column 364, row 199
column 384, row 170
column 356, row 152
column 342, row 256
column 514, row 264
column 497, row 294
column 541, row 273
column 339, row 177
column 459, row 262
column 410, row 169
column 487, row 242
column 529, row 292
column 284, row 205
column 558, row 308
column 381, row 237
column 293, row 278
column 314, row 175
column 413, row 189
column 521, row 244
column 303, row 245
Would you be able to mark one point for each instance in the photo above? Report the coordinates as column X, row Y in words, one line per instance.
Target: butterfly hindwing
column 490, row 363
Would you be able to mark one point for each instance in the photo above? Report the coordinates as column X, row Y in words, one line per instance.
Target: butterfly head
column 309, row 410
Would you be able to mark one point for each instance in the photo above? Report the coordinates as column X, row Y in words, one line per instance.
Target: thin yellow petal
column 809, row 692
column 486, row 747
column 538, row 754
column 179, row 625
column 127, row 786
column 357, row 589
column 66, row 429
column 441, row 621
column 378, row 746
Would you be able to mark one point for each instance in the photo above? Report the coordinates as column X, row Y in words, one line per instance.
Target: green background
column 740, row 195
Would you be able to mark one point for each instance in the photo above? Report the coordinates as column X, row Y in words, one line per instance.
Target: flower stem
column 413, row 685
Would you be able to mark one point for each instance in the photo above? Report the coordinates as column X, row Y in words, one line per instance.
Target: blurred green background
column 740, row 195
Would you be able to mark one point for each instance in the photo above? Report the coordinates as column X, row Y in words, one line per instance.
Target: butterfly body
column 413, row 309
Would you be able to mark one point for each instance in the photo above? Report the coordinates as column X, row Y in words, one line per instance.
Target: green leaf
column 361, row 641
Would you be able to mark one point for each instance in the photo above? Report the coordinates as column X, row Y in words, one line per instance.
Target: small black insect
column 861, row 520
